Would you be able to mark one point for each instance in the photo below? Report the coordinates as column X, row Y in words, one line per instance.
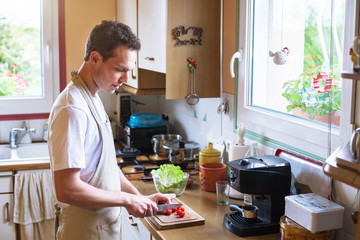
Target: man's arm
column 72, row 190
column 126, row 185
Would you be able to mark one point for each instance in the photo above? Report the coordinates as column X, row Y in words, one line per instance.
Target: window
column 29, row 59
column 290, row 88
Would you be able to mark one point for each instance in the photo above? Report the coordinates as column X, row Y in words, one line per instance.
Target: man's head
column 109, row 35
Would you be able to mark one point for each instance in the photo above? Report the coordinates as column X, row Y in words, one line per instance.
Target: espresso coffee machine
column 267, row 179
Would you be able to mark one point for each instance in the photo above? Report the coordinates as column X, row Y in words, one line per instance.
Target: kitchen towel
column 34, row 197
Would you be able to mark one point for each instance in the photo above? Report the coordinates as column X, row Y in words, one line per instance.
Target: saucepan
column 181, row 150
column 159, row 140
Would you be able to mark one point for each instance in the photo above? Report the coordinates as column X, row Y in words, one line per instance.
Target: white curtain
column 33, row 205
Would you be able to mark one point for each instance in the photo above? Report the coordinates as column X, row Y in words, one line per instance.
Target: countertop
column 24, row 165
column 204, row 203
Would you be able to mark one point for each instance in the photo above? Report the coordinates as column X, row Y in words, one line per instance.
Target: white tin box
column 314, row 212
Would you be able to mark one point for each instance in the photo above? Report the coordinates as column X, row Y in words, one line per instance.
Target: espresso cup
column 249, row 212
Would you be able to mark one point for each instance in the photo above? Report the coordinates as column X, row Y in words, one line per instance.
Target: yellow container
column 209, row 155
column 291, row 230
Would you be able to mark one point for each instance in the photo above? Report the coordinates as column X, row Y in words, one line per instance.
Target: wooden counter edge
column 24, row 166
column 154, row 233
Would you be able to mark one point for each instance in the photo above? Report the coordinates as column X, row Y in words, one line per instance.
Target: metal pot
column 181, row 150
column 159, row 140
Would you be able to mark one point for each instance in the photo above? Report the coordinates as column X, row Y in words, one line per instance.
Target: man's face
column 111, row 74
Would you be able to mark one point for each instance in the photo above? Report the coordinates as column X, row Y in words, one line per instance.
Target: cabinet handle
column 7, row 219
column 150, row 58
column 131, row 221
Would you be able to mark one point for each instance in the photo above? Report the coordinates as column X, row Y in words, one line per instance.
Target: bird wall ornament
column 280, row 57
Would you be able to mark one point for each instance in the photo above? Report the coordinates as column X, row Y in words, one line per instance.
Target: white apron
column 102, row 223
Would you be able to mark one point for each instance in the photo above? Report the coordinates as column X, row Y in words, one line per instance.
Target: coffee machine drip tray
column 238, row 225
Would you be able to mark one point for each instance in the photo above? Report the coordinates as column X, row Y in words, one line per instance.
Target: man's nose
column 125, row 77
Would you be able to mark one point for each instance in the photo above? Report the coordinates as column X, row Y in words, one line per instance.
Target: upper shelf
column 350, row 74
column 340, row 173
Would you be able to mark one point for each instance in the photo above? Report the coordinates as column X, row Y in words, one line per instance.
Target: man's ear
column 95, row 57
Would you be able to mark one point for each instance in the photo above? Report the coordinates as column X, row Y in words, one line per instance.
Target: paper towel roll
column 237, row 152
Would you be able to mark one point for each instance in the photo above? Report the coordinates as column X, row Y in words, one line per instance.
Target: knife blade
column 164, row 207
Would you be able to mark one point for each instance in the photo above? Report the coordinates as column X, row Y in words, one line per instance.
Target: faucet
column 14, row 140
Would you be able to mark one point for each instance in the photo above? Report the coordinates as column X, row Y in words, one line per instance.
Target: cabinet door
column 7, row 227
column 132, row 227
column 127, row 14
column 152, row 33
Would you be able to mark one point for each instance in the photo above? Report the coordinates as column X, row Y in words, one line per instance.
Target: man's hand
column 145, row 206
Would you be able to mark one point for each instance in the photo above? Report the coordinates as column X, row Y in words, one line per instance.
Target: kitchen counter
column 24, row 165
column 204, row 203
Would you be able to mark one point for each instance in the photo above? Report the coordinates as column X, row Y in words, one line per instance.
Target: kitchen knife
column 164, row 207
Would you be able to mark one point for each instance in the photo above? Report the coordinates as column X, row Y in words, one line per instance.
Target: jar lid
column 210, row 151
column 176, row 144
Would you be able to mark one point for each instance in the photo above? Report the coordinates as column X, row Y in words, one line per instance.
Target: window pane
column 20, row 44
column 296, row 57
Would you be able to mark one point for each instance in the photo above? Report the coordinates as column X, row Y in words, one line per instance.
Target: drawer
column 133, row 228
column 6, row 182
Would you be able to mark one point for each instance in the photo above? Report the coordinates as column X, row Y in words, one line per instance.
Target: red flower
column 14, row 65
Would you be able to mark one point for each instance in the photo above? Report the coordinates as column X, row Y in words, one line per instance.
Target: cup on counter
column 222, row 192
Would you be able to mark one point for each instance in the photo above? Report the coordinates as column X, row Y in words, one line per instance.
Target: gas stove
column 136, row 165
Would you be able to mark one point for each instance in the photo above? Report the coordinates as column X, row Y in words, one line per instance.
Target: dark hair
column 109, row 35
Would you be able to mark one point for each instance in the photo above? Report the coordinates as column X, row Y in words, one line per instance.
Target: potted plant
column 314, row 95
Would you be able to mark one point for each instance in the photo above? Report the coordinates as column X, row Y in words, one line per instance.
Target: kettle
column 209, row 155
column 355, row 145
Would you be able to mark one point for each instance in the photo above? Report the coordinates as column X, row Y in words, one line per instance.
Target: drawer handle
column 131, row 221
column 7, row 219
column 132, row 74
column 150, row 58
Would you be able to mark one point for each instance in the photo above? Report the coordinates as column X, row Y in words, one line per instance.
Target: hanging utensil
column 192, row 98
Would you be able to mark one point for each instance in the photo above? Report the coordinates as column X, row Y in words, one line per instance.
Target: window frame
column 52, row 46
column 313, row 139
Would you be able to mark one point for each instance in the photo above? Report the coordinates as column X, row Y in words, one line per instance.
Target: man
column 88, row 183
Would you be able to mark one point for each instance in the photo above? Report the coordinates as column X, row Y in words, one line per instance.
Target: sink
column 5, row 152
column 34, row 150
column 25, row 152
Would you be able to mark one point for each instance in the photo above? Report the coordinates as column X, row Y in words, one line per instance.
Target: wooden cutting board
column 162, row 221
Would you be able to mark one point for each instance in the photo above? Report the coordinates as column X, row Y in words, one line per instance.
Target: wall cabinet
column 141, row 81
column 162, row 59
column 7, row 227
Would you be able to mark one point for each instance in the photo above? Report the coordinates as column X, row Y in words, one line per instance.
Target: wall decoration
column 181, row 32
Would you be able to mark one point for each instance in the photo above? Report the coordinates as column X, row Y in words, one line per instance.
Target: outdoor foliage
column 301, row 94
column 20, row 69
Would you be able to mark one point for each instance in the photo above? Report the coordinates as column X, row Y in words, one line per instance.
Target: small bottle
column 45, row 133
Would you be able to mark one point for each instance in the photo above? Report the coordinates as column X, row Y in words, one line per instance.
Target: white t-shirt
column 74, row 137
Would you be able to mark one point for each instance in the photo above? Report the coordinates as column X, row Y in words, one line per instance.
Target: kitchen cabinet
column 141, row 81
column 152, row 32
column 229, row 45
column 7, row 227
column 162, row 60
column 132, row 227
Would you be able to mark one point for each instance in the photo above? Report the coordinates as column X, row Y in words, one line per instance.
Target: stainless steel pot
column 355, row 145
column 181, row 150
column 159, row 140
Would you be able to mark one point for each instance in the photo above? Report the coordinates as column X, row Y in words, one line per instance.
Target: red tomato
column 181, row 208
column 180, row 213
column 174, row 210
column 168, row 212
